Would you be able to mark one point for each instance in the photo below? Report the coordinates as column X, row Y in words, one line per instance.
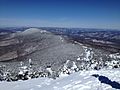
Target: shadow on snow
column 106, row 80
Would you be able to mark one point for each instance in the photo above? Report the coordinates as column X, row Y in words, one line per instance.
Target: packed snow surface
column 82, row 80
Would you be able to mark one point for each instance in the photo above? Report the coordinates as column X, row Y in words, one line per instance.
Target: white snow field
column 81, row 80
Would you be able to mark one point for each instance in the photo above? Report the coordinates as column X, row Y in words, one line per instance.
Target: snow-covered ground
column 81, row 80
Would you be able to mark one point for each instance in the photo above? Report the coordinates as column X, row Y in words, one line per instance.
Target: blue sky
column 61, row 13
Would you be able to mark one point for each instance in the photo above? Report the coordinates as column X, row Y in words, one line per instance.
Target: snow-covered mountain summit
column 32, row 31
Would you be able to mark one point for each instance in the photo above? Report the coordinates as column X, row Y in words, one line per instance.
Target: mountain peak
column 31, row 30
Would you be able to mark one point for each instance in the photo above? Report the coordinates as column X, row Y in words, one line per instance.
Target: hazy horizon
column 103, row 14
